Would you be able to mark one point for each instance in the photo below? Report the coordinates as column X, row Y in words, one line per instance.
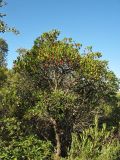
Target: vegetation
column 57, row 103
column 95, row 144
column 50, row 98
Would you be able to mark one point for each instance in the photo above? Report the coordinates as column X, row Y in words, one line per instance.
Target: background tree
column 3, row 45
column 3, row 26
column 3, row 52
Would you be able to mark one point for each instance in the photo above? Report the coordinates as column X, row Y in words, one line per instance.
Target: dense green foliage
column 50, row 98
column 14, row 145
column 3, row 52
column 95, row 144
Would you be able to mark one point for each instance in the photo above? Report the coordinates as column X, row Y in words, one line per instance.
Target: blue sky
column 90, row 22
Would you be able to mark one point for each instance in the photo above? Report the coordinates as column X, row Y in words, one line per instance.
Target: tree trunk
column 58, row 142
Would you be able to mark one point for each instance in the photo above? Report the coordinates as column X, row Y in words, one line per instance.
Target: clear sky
column 90, row 22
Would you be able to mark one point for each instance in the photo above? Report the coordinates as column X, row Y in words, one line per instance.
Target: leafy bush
column 95, row 144
column 15, row 145
column 27, row 148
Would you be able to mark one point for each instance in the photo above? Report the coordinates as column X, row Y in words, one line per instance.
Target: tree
column 4, row 46
column 64, row 88
column 3, row 52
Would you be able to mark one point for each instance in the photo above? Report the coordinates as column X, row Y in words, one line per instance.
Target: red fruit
column 61, row 62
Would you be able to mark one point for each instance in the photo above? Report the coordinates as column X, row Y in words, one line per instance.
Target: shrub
column 28, row 148
column 95, row 144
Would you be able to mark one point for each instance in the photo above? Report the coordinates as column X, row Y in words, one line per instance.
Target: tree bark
column 58, row 141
